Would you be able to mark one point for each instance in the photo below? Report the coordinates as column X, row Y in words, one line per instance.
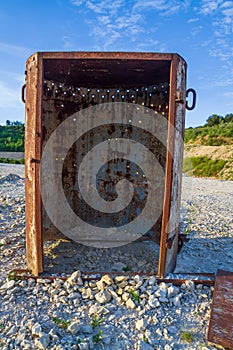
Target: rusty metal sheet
column 104, row 55
column 174, row 217
column 20, row 274
column 172, row 197
column 34, row 248
column 110, row 71
column 220, row 329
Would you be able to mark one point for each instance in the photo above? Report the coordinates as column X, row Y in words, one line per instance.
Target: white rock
column 85, row 328
column 26, row 344
column 159, row 332
column 87, row 293
column 74, row 295
column 118, row 266
column 119, row 279
column 13, row 330
column 73, row 328
column 140, row 325
column 172, row 291
column 142, row 345
column 125, row 296
column 76, row 302
column 36, row 329
column 176, row 300
column 43, row 281
column 130, row 304
column 43, row 341
column 3, row 241
column 100, row 285
column 84, row 346
column 106, row 340
column 103, row 297
column 152, row 280
column 163, row 300
column 53, row 335
column 172, row 329
column 75, row 279
column 93, row 310
column 190, row 285
column 107, row 280
column 8, row 285
column 153, row 302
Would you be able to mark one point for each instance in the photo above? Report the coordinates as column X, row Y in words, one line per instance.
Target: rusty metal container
column 143, row 94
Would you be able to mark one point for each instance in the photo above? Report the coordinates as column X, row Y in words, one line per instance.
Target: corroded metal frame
column 33, row 151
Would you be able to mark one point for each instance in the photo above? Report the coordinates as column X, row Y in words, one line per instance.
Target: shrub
column 12, row 161
column 203, row 166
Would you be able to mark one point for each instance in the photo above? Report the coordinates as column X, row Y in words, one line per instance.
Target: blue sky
column 200, row 31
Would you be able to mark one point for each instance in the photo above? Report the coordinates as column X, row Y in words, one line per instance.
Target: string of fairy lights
column 155, row 96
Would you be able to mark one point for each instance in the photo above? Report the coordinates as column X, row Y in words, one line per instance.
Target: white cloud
column 164, row 7
column 228, row 94
column 209, row 7
column 15, row 50
column 192, row 20
column 118, row 20
column 9, row 97
column 104, row 19
column 112, row 21
column 227, row 4
column 10, row 75
column 77, row 2
column 222, row 50
column 196, row 30
column 228, row 12
column 222, row 12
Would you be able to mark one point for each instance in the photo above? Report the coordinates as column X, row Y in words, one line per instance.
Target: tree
column 215, row 119
column 8, row 122
column 17, row 122
column 229, row 118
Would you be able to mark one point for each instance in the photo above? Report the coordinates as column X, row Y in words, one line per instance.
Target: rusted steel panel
column 174, row 217
column 171, row 212
column 109, row 55
column 32, row 164
column 220, row 329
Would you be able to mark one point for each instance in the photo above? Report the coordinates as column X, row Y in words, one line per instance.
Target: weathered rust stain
column 220, row 329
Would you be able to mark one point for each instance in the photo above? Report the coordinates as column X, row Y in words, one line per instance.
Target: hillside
column 216, row 135
column 209, row 150
column 12, row 138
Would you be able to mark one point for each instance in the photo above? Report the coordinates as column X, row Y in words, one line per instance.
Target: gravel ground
column 119, row 313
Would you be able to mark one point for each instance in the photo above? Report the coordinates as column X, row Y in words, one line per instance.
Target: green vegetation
column 126, row 269
column 187, row 336
column 61, row 323
column 217, row 131
column 203, row 166
column 11, row 275
column 96, row 321
column 145, row 339
column 12, row 161
column 134, row 295
column 98, row 337
column 12, row 137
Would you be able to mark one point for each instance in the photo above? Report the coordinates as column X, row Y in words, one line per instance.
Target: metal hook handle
column 23, row 93
column 193, row 105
